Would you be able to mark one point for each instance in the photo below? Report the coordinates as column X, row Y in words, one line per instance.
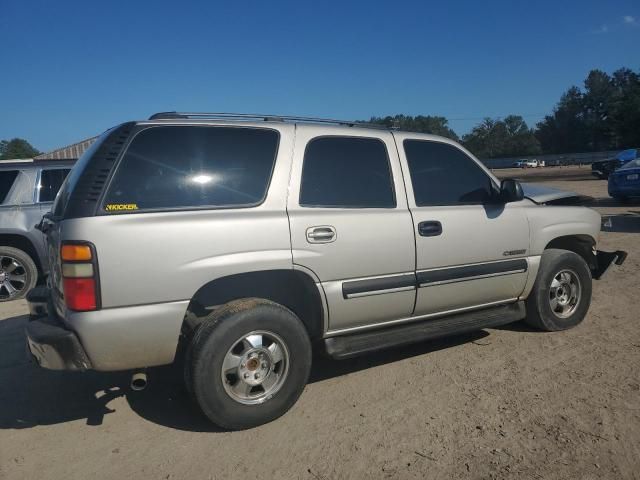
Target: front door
column 351, row 226
column 470, row 251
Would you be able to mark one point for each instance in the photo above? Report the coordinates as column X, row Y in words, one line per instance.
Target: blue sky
column 71, row 69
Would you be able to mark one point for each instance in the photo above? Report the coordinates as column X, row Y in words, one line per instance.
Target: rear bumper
column 51, row 344
column 109, row 339
column 604, row 260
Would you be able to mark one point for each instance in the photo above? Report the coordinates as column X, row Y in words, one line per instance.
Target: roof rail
column 261, row 117
column 16, row 160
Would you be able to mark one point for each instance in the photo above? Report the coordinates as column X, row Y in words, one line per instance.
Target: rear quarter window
column 174, row 167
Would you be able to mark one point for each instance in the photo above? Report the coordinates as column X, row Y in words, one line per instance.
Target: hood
column 552, row 196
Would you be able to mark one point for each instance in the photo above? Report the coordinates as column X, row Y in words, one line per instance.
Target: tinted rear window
column 193, row 166
column 7, row 177
column 346, row 172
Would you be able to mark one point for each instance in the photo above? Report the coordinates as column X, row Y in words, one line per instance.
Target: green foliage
column 16, row 148
column 495, row 138
column 605, row 115
column 420, row 123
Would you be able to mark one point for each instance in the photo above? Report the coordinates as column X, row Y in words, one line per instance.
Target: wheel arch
column 581, row 244
column 23, row 243
column 292, row 288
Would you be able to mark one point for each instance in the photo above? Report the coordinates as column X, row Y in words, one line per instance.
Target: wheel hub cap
column 255, row 367
column 565, row 293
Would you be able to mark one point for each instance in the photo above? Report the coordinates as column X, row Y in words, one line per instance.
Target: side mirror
column 510, row 190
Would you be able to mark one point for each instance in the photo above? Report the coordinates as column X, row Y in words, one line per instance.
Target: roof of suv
column 254, row 119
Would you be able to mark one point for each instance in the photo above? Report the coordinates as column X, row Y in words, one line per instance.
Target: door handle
column 321, row 234
column 432, row 228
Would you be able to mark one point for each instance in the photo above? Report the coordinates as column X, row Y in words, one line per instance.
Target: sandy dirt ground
column 500, row 403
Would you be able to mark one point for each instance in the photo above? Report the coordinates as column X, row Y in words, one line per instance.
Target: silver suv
column 27, row 190
column 247, row 239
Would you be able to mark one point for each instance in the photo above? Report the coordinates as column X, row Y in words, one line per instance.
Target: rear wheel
column 18, row 274
column 561, row 294
column 248, row 363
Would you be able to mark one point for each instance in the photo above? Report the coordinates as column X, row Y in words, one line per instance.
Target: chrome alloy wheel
column 565, row 293
column 13, row 277
column 255, row 367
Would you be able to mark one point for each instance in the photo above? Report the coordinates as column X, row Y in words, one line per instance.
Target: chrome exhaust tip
column 138, row 381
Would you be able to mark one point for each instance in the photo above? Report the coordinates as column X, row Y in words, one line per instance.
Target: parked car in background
column 242, row 240
column 531, row 163
column 625, row 182
column 603, row 168
column 27, row 191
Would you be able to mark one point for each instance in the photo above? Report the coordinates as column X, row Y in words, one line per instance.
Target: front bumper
column 604, row 260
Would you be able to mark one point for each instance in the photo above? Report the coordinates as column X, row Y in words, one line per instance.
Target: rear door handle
column 431, row 228
column 321, row 234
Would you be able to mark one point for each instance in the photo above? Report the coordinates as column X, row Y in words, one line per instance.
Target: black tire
column 539, row 311
column 26, row 269
column 216, row 336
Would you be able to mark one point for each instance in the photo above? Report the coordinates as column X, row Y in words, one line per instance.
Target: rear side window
column 190, row 167
column 442, row 174
column 7, row 177
column 50, row 182
column 346, row 172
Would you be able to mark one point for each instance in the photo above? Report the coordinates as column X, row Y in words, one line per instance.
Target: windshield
column 632, row 164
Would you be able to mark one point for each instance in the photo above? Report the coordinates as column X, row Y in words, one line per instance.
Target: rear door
column 470, row 251
column 350, row 224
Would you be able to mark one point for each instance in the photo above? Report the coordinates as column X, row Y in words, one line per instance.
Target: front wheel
column 561, row 295
column 248, row 363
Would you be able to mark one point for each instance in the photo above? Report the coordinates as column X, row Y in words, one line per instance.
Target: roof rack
column 262, row 117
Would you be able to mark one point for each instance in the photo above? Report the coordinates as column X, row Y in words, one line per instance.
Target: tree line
column 603, row 115
column 16, row 148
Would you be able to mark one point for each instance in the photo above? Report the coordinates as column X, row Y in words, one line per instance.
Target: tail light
column 80, row 276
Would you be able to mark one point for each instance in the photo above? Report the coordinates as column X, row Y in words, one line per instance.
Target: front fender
column 550, row 222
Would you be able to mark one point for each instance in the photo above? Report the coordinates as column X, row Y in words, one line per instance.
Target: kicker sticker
column 116, row 207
